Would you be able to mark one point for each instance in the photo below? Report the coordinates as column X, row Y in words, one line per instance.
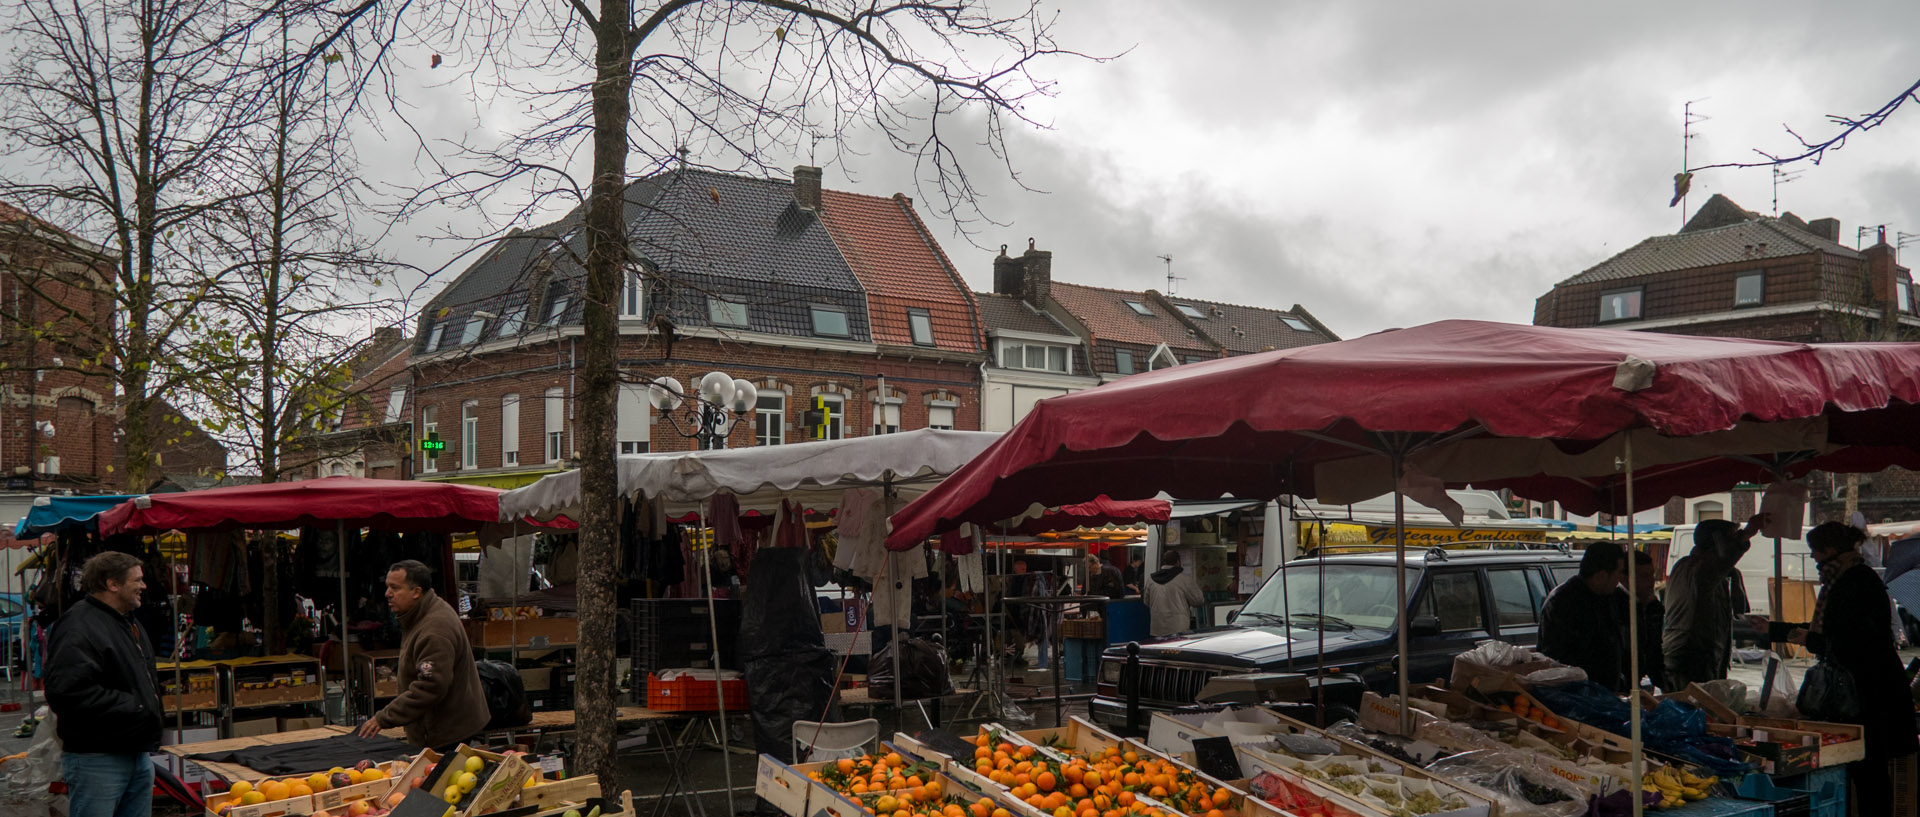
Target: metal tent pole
column 1633, row 638
column 713, row 632
column 1398, row 457
column 346, row 648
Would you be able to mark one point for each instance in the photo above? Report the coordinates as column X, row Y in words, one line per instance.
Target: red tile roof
column 902, row 268
column 1105, row 312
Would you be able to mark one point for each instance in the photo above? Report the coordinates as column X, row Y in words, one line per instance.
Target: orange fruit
column 1221, row 797
column 300, row 789
column 274, row 790
column 1046, row 781
column 894, row 759
column 1092, row 779
column 1130, row 757
column 1076, row 791
column 982, row 752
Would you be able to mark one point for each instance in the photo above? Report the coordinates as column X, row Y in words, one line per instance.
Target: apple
column 420, row 782
column 358, row 808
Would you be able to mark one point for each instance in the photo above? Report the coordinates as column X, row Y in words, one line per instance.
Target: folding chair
column 815, row 741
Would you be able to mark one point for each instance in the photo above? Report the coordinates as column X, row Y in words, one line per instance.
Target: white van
column 1756, row 567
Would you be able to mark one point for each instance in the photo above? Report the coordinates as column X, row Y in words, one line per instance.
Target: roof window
column 1295, row 324
column 921, row 324
column 830, row 321
column 1191, row 311
column 1138, row 308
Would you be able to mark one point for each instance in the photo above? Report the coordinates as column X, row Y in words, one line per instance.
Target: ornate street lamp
column 709, row 416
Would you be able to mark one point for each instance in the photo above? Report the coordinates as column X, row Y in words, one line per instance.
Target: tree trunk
column 594, row 403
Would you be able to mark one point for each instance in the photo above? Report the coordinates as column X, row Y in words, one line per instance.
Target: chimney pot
column 806, row 187
column 1038, row 267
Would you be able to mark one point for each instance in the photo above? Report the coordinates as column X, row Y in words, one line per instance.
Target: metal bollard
column 1130, row 676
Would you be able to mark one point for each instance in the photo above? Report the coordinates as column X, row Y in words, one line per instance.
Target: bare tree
column 127, row 111
column 1816, row 151
column 745, row 83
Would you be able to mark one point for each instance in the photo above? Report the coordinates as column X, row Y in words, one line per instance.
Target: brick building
column 1730, row 272
column 1050, row 337
column 372, row 435
column 57, row 414
column 806, row 293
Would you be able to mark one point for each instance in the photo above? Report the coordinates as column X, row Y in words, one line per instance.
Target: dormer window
column 830, row 321
column 476, row 323
column 433, row 336
column 1620, row 305
column 1036, row 357
column 726, row 313
column 633, row 301
column 1191, row 311
column 1750, row 289
column 920, row 322
column 557, row 308
column 510, row 325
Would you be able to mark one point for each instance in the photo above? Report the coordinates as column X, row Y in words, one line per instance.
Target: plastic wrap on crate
column 1523, row 787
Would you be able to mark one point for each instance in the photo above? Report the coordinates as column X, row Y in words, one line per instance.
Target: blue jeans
column 102, row 785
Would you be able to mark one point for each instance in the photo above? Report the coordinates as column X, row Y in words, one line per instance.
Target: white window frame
column 732, row 314
column 1131, row 367
column 1295, row 324
column 1634, row 295
column 1161, row 358
column 510, row 325
column 837, row 415
column 891, row 412
column 396, row 402
column 510, row 430
column 920, row 326
column 470, row 435
column 557, row 308
column 471, row 332
column 938, row 412
column 770, row 418
column 632, row 421
column 555, row 423
column 433, row 335
column 633, row 296
column 1013, row 355
column 813, row 314
column 428, row 426
column 1903, row 296
column 1759, row 298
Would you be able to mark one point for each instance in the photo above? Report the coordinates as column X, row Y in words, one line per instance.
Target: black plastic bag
column 789, row 669
column 506, row 694
column 1827, row 693
column 923, row 666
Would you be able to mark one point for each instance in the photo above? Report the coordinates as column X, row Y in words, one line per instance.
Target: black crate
column 672, row 633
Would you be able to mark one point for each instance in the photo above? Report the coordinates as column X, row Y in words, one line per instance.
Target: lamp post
column 722, row 402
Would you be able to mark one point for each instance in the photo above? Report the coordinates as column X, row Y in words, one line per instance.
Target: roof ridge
column 1141, row 292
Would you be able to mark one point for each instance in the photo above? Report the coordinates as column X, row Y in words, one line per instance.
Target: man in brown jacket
column 441, row 703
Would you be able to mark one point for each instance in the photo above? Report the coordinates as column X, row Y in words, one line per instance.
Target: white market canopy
column 810, row 473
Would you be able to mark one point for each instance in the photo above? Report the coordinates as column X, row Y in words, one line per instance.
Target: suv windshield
column 1355, row 595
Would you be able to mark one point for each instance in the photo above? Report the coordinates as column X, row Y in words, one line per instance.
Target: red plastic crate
column 688, row 694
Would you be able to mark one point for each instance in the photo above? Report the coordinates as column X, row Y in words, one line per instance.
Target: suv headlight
column 1109, row 671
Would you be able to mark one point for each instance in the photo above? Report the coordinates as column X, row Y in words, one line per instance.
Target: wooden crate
column 783, row 786
column 551, row 793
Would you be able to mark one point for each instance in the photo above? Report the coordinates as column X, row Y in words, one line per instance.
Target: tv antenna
column 1901, row 239
column 1781, row 177
column 1171, row 278
column 1860, row 234
column 1687, row 120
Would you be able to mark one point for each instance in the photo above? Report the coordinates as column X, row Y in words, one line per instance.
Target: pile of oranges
column 266, row 791
column 889, row 786
column 1533, row 712
column 1107, row 783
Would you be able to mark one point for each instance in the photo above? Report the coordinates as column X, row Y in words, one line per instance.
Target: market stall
column 342, row 504
column 1597, row 420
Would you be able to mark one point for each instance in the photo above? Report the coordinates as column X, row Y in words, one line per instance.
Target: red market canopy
column 1098, row 512
column 1544, row 411
column 352, row 502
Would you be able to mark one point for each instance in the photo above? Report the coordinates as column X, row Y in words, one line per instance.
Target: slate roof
column 708, row 234
column 999, row 311
column 1755, row 239
column 1104, row 312
column 901, row 268
column 1250, row 329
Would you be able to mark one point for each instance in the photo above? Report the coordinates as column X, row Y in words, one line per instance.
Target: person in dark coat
column 103, row 692
column 1653, row 616
column 1577, row 626
column 1103, row 579
column 1698, row 640
column 1852, row 627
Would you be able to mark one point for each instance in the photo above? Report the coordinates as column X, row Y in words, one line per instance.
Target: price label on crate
column 551, row 765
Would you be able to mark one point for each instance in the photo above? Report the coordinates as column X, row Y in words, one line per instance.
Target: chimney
column 1882, row 272
column 385, row 335
column 1827, row 228
column 806, row 187
column 1038, row 275
column 1008, row 276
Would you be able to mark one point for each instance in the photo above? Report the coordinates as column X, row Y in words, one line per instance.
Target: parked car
column 13, row 618
column 1337, row 613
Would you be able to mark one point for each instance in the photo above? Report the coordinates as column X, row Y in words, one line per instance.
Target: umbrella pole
column 346, row 660
column 1633, row 639
column 713, row 632
column 1399, row 582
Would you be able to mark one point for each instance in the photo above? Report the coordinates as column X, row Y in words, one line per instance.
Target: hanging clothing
column 862, row 526
column 893, row 595
column 970, row 570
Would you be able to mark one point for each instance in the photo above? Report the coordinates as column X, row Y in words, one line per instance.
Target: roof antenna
column 1171, row 278
column 682, row 150
column 1688, row 120
column 1781, row 177
column 814, row 149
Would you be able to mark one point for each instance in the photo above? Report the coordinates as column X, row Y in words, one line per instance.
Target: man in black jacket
column 105, row 697
column 1653, row 616
column 1577, row 627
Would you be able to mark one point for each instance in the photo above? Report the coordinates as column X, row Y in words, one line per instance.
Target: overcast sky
column 1390, row 164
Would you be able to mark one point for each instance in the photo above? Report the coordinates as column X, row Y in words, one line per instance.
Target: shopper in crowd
column 1136, row 571
column 441, row 703
column 105, row 698
column 1653, row 616
column 1852, row 627
column 1698, row 639
column 1578, row 627
column 1103, row 579
column 1171, row 594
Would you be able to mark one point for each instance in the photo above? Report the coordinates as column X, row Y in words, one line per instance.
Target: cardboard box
column 258, row 726
column 545, row 631
column 175, row 737
column 833, row 622
column 297, row 724
column 534, row 679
